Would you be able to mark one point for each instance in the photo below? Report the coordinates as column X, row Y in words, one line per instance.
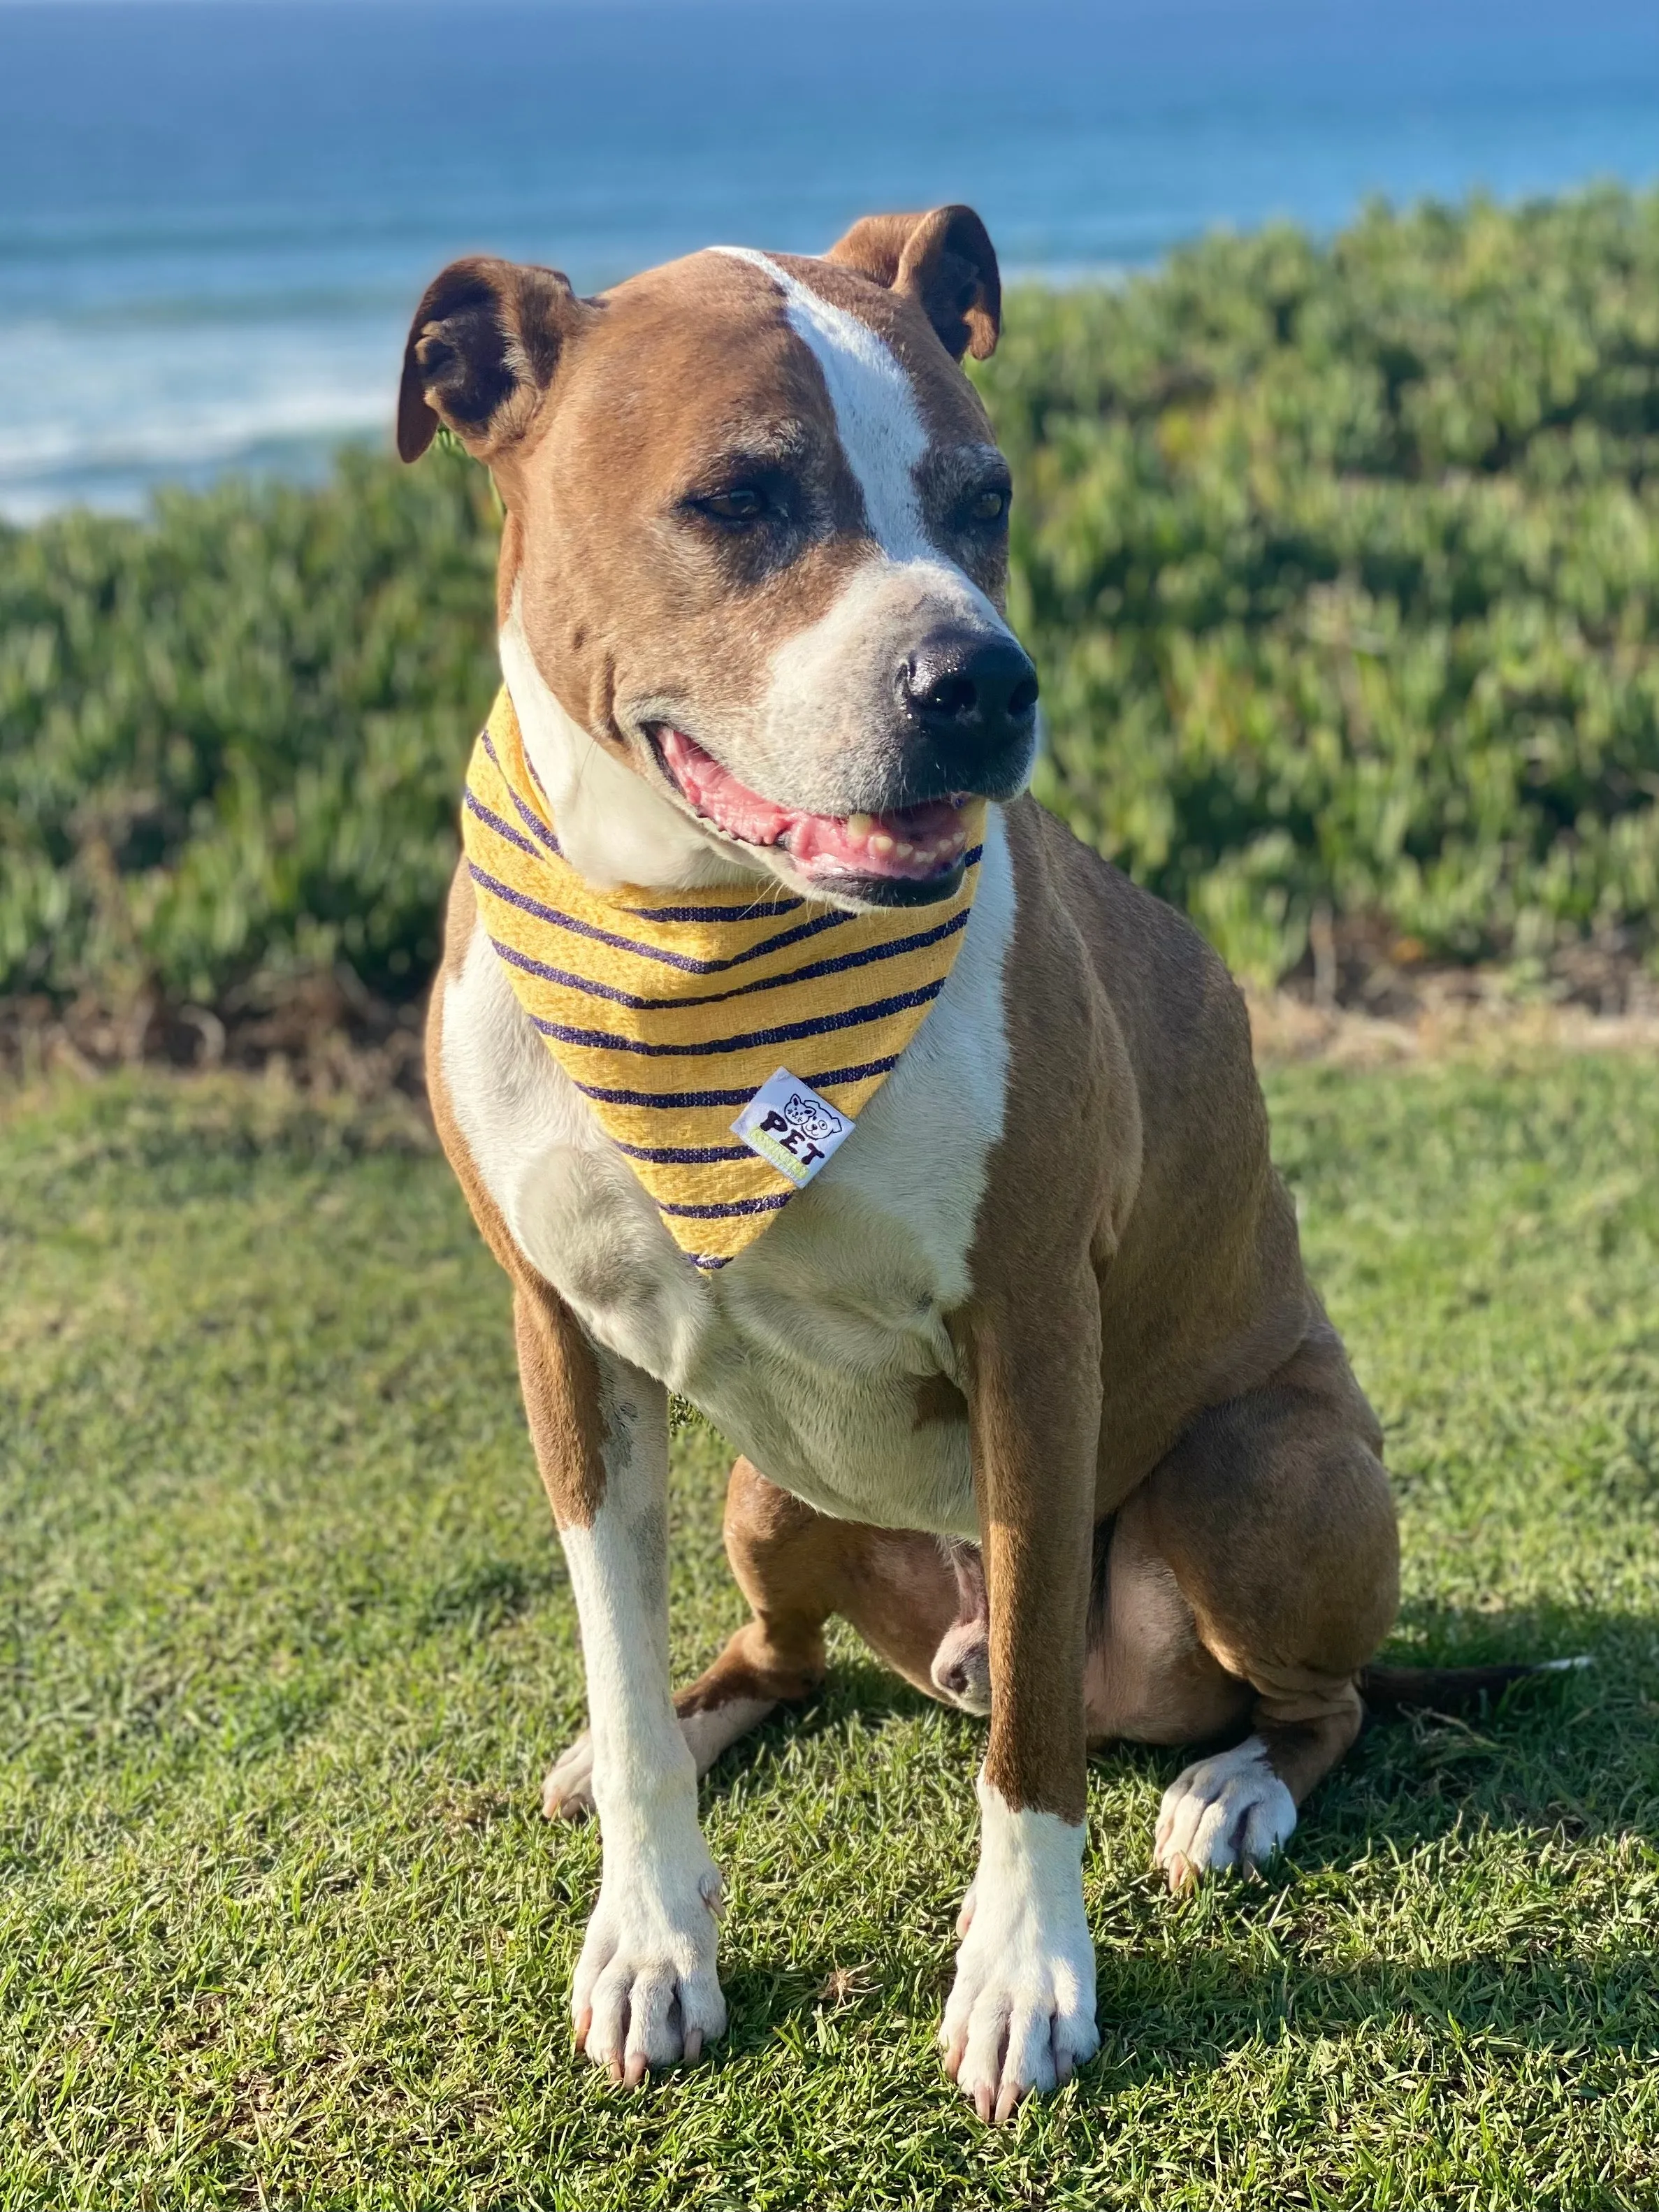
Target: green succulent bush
column 1340, row 563
column 232, row 738
column 1341, row 566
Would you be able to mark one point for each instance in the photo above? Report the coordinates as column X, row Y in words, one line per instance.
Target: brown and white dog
column 1047, row 1306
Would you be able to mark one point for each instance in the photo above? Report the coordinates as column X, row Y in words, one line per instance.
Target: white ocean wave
column 215, row 431
column 102, row 423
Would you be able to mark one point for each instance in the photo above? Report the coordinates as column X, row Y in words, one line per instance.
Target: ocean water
column 215, row 216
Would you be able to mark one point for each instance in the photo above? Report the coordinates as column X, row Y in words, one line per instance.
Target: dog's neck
column 613, row 828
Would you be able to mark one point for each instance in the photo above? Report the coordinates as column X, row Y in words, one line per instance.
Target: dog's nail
column 693, row 2046
column 635, row 2071
column 584, row 2021
column 982, row 2103
column 1011, row 2094
column 615, row 2070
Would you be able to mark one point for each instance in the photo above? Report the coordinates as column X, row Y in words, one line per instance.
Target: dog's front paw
column 647, row 1992
column 1229, row 1811
column 1021, row 2013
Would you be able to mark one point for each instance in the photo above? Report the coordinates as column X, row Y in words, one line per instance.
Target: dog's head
column 755, row 550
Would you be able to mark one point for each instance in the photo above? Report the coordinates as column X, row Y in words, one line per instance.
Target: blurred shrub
column 1342, row 565
column 232, row 738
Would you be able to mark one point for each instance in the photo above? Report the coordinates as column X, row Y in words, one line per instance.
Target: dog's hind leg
column 796, row 1567
column 1273, row 1515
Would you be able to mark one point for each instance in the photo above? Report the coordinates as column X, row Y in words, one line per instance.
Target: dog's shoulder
column 1152, row 985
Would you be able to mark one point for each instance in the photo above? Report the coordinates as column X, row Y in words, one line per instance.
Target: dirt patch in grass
column 1361, row 1004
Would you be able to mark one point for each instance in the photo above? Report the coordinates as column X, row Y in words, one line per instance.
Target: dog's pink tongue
column 911, row 841
column 715, row 792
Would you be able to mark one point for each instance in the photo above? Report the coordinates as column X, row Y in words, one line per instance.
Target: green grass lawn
column 285, row 1644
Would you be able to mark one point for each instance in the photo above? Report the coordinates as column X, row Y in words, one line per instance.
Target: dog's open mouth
column 909, row 844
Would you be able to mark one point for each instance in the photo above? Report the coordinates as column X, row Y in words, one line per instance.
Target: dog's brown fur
column 1255, row 1561
column 594, row 457
column 1139, row 1349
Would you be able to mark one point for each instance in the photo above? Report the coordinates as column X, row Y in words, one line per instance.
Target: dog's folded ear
column 944, row 260
column 483, row 347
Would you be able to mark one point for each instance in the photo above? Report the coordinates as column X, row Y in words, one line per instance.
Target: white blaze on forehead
column 876, row 412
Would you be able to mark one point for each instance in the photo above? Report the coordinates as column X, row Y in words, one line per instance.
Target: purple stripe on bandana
column 753, row 911
column 503, row 828
column 674, row 1099
column 840, row 964
column 531, row 820
column 851, row 1018
column 682, row 961
column 731, row 1208
column 685, row 1156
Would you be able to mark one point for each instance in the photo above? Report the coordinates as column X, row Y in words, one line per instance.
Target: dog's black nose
column 967, row 686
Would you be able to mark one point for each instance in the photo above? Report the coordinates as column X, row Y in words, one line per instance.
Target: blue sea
column 215, row 216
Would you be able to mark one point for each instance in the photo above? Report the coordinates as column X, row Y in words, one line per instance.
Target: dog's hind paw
column 567, row 1785
column 1229, row 1811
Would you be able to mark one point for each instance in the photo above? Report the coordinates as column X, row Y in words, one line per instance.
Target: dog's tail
column 1449, row 1689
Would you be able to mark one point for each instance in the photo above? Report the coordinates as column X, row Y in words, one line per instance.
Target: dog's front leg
column 1021, row 2016
column 646, row 1991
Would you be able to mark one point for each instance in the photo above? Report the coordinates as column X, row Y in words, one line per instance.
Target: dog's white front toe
column 1229, row 1811
column 1021, row 2013
column 647, row 1992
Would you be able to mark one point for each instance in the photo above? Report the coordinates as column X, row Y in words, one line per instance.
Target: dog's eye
column 989, row 505
column 743, row 503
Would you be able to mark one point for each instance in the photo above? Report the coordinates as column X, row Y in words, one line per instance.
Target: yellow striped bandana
column 728, row 1040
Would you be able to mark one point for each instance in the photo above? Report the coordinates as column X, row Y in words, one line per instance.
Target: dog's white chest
column 812, row 1351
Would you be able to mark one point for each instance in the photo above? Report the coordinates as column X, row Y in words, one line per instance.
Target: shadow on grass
column 1612, row 1721
column 1556, row 1756
column 855, row 1690
column 1533, row 1999
column 1527, row 2002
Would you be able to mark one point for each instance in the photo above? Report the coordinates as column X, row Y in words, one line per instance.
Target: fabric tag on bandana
column 790, row 1127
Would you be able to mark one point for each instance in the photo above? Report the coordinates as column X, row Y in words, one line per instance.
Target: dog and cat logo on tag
column 790, row 1127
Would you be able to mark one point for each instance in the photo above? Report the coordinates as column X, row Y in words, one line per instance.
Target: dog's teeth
column 882, row 845
column 901, row 851
column 859, row 827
